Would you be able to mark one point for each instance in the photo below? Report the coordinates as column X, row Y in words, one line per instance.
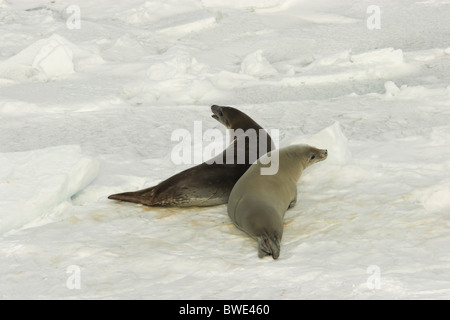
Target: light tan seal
column 257, row 203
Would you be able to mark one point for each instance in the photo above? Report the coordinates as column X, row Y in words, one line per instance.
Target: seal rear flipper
column 268, row 247
column 144, row 196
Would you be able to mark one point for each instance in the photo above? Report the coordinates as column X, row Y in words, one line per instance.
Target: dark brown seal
column 211, row 182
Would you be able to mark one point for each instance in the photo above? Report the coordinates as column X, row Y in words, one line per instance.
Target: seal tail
column 144, row 196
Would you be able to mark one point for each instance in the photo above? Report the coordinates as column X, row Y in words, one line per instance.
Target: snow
column 331, row 139
column 255, row 64
column 48, row 177
column 87, row 112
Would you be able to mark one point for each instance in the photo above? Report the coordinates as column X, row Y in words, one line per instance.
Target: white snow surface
column 88, row 112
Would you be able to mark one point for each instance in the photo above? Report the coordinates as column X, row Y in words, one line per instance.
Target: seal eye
column 313, row 157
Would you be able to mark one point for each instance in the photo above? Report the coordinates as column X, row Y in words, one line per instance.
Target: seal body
column 211, row 182
column 258, row 202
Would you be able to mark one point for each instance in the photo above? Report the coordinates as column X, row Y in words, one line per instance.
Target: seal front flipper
column 293, row 202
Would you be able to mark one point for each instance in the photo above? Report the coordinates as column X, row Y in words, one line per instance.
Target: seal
column 210, row 182
column 257, row 203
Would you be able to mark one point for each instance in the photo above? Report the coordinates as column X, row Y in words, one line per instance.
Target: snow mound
column 387, row 56
column 386, row 63
column 34, row 183
column 255, row 64
column 47, row 59
column 332, row 139
column 405, row 92
column 125, row 48
column 54, row 58
column 154, row 11
column 391, row 89
column 326, row 18
column 10, row 108
column 175, row 67
column 177, row 78
column 247, row 4
column 436, row 199
column 193, row 22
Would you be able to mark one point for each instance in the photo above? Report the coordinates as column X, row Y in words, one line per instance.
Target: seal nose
column 326, row 152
